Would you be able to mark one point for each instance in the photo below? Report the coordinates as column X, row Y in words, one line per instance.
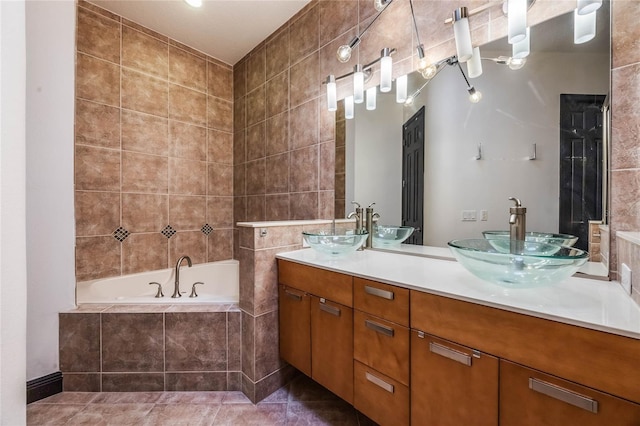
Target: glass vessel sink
column 518, row 263
column 536, row 237
column 388, row 236
column 335, row 243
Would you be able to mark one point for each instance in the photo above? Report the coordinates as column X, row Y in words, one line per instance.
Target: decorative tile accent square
column 168, row 231
column 120, row 234
column 206, row 229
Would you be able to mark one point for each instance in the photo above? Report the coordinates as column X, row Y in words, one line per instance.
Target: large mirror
column 531, row 137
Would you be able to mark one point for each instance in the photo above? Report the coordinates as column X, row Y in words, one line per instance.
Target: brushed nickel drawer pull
column 378, row 292
column 330, row 309
column 293, row 295
column 563, row 395
column 460, row 357
column 379, row 382
column 383, row 329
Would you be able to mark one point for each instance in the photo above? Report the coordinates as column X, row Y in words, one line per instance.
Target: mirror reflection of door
column 413, row 175
column 581, row 164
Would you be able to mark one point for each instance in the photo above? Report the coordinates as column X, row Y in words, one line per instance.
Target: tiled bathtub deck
column 301, row 402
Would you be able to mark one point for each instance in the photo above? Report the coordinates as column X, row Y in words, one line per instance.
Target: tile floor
column 301, row 402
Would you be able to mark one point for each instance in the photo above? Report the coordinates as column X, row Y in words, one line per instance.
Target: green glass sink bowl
column 336, row 243
column 388, row 236
column 530, row 263
column 536, row 237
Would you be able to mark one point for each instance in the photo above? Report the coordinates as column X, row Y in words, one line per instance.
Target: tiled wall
column 628, row 248
column 129, row 348
column 153, row 150
column 625, row 123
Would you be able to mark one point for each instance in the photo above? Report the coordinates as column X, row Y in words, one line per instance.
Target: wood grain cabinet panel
column 319, row 282
column 451, row 385
column 382, row 345
column 295, row 328
column 332, row 347
column 382, row 300
column 381, row 398
column 532, row 398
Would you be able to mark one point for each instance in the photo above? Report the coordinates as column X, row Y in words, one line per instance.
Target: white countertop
column 595, row 304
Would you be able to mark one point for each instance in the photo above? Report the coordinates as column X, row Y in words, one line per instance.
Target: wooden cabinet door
column 531, row 398
column 295, row 328
column 451, row 385
column 379, row 397
column 332, row 347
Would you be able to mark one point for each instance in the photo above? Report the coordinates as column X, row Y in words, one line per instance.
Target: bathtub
column 221, row 285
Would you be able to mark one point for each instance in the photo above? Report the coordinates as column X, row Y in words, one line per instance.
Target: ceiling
column 224, row 29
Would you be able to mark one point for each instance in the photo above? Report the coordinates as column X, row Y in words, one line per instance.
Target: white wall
column 373, row 160
column 13, row 270
column 50, row 208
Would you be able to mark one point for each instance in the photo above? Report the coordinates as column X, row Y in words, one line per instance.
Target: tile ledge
column 267, row 224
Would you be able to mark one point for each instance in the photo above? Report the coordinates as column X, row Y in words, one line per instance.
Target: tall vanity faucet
column 176, row 290
column 369, row 224
column 517, row 225
column 358, row 215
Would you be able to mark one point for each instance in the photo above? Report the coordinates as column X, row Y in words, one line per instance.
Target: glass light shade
column 474, row 65
column 358, row 87
column 587, row 6
column 475, row 95
column 401, row 89
column 409, row 101
column 521, row 49
column 461, row 32
column 516, row 64
column 371, row 98
column 194, row 3
column 429, row 72
column 584, row 27
column 379, row 5
column 386, row 70
column 344, row 53
column 332, row 94
column 517, row 20
column 348, row 107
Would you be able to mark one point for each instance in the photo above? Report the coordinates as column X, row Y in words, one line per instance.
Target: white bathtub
column 221, row 285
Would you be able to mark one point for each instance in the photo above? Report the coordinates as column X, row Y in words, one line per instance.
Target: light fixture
column 358, row 84
column 516, row 20
column 521, row 49
column 332, row 93
column 371, row 98
column 380, row 4
column 474, row 65
column 584, row 27
column 386, row 70
column 411, row 99
column 194, row 3
column 516, row 64
column 401, row 89
column 462, row 34
column 348, row 107
column 474, row 95
column 344, row 52
column 426, row 68
column 585, row 7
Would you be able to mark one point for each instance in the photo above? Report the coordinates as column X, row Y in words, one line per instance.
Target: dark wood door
column 581, row 164
column 413, row 175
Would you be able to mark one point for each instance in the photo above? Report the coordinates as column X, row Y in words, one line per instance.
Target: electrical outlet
column 484, row 215
column 625, row 279
column 469, row 215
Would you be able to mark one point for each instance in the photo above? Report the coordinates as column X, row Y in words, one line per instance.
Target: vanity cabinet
column 532, row 398
column 451, row 384
column 295, row 327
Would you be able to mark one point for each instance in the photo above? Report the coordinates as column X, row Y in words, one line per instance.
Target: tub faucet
column 517, row 225
column 176, row 291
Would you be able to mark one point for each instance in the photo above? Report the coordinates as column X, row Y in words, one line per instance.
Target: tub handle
column 193, row 289
column 159, row 293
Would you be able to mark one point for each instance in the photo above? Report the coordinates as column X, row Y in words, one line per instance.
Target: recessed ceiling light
column 194, row 3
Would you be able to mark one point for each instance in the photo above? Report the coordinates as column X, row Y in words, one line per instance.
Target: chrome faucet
column 358, row 215
column 517, row 225
column 369, row 224
column 176, row 291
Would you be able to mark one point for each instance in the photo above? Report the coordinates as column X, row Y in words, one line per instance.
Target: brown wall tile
column 81, row 382
column 239, row 147
column 277, row 207
column 97, row 257
column 79, row 337
column 239, row 180
column 187, row 105
column 240, row 79
column 97, row 169
column 304, row 125
column 145, row 212
column 132, row 342
column 305, row 80
column 256, row 177
column 326, row 205
column 144, row 93
column 265, row 281
column 189, row 243
column 220, row 147
column 187, row 212
column 256, row 107
column 256, row 69
column 625, row 16
column 97, row 80
column 248, row 344
column 220, row 81
column 278, row 94
column 336, row 17
column 304, row 169
column 144, row 173
column 97, row 213
column 327, row 166
column 304, row 35
column 144, row 252
column 219, row 114
column 256, row 141
column 256, row 208
column 234, row 333
column 144, row 53
column 97, row 124
column 277, row 53
column 220, row 212
column 220, row 245
column 220, row 180
column 240, row 114
column 187, row 69
column 303, row 205
column 625, row 121
column 196, row 381
column 203, row 348
column 277, row 179
column 267, row 353
column 98, row 36
column 278, row 134
column 187, row 176
column 132, row 382
column 144, row 133
column 187, row 141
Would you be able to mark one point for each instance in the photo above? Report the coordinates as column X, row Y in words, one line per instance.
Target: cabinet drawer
column 316, row 281
column 529, row 397
column 382, row 399
column 382, row 300
column 295, row 328
column 381, row 345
